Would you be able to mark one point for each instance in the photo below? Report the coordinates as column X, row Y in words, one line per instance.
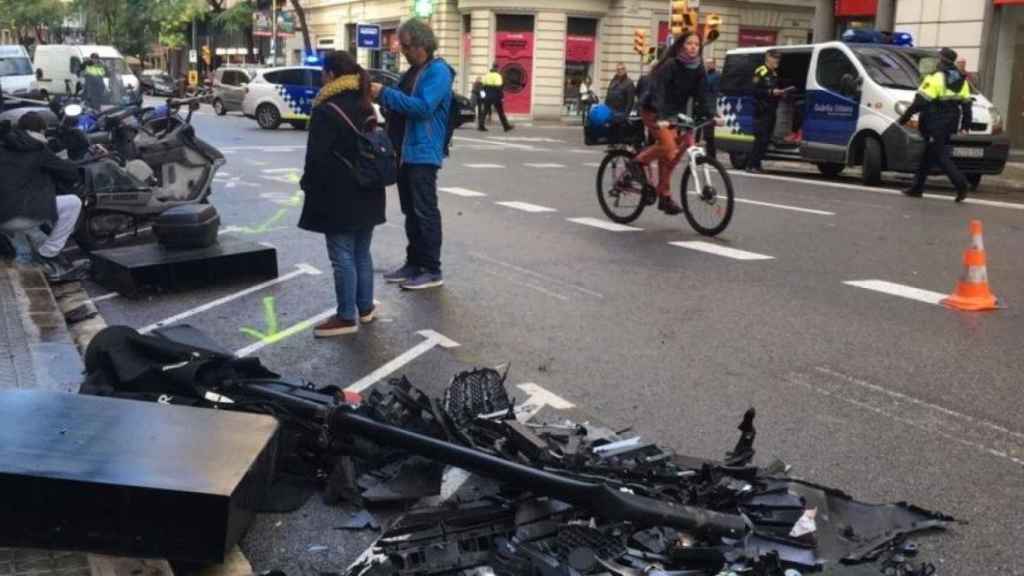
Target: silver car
column 230, row 85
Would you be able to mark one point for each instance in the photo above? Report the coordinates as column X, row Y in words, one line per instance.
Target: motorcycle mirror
column 72, row 110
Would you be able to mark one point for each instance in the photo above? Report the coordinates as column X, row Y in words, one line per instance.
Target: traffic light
column 652, row 53
column 680, row 9
column 640, row 41
column 423, row 8
column 712, row 23
column 206, row 55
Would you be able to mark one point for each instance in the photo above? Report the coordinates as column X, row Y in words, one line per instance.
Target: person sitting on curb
column 31, row 193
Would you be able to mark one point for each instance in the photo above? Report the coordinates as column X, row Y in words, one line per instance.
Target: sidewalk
column 36, row 349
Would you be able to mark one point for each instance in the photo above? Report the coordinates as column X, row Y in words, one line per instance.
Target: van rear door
column 833, row 106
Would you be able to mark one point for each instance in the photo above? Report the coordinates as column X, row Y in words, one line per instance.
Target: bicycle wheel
column 620, row 190
column 708, row 210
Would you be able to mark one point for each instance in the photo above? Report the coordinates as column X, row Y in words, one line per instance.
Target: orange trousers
column 665, row 149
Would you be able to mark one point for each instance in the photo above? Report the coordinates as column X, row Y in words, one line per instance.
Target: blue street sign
column 368, row 36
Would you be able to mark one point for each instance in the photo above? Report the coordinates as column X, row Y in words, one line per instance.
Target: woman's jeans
column 353, row 272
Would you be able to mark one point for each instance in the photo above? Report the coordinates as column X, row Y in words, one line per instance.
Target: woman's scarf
column 690, row 63
column 346, row 83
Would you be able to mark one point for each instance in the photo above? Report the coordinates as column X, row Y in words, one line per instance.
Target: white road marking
column 981, row 435
column 508, row 278
column 300, row 327
column 255, row 162
column 544, row 277
column 586, row 151
column 544, row 165
column 464, row 192
column 537, row 398
column 526, row 206
column 592, row 164
column 926, row 296
column 105, row 297
column 785, row 207
column 719, row 250
column 280, row 170
column 525, row 139
column 300, row 270
column 496, row 142
column 433, row 339
column 484, row 165
column 262, row 148
column 605, row 225
column 229, row 230
column 889, row 191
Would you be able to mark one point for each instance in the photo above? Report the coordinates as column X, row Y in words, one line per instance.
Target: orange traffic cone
column 972, row 291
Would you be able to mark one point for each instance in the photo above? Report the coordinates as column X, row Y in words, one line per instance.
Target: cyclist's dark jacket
column 673, row 85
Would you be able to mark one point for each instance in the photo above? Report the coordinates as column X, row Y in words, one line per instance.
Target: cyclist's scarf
column 690, row 63
column 345, row 83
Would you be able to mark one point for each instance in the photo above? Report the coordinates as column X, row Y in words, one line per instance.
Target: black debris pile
column 569, row 498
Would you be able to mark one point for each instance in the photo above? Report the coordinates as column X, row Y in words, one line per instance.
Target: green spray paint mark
column 266, row 226
column 270, row 319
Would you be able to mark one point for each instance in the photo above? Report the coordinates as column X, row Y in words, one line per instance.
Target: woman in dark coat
column 335, row 204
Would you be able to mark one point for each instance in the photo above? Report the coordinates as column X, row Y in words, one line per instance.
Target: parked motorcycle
column 142, row 165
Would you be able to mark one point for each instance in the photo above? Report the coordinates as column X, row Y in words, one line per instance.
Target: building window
column 580, row 49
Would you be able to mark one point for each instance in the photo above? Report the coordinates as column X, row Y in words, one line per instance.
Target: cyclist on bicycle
column 678, row 77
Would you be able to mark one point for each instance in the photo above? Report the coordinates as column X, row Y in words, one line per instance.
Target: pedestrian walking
column 944, row 101
column 336, row 205
column 494, row 87
column 587, row 97
column 478, row 97
column 712, row 82
column 418, row 125
column 621, row 91
column 767, row 95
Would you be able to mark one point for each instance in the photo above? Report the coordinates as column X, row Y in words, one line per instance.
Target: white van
column 845, row 99
column 58, row 65
column 16, row 77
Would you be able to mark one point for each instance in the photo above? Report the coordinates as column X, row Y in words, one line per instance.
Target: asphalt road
column 886, row 397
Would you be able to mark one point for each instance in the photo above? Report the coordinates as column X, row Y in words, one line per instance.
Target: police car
column 842, row 109
column 283, row 94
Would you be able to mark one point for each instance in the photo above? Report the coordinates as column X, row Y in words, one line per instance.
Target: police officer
column 494, row 87
column 944, row 101
column 766, row 105
column 94, row 72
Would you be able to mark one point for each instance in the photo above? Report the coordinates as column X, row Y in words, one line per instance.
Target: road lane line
column 105, row 297
column 901, row 290
column 544, row 277
column 605, row 225
column 433, row 339
column 496, row 143
column 719, row 250
column 526, row 206
column 544, row 165
column 300, row 327
column 300, row 270
column 592, row 164
column 464, row 192
column 785, row 207
column 541, row 289
column 484, row 166
column 889, row 191
column 280, row 170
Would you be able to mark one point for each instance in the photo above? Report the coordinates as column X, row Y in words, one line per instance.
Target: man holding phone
column 767, row 95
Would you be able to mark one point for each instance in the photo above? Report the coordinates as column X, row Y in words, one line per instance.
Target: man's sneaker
column 335, row 326
column 423, row 281
column 913, row 192
column 669, row 206
column 368, row 316
column 402, row 274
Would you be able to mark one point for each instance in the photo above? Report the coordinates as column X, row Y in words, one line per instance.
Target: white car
column 284, row 94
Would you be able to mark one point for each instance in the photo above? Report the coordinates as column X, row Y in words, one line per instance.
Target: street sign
column 368, row 36
column 193, row 57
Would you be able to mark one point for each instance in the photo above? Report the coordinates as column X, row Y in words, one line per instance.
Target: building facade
column 546, row 48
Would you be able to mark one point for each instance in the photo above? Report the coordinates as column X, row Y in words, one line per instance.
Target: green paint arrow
column 270, row 318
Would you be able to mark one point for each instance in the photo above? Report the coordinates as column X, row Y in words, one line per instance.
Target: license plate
column 961, row 152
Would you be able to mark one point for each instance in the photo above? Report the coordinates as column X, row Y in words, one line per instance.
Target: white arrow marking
column 432, row 339
column 300, row 269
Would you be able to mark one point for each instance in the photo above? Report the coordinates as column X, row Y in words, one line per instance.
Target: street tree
column 33, row 21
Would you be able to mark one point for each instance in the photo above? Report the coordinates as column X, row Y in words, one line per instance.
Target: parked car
column 467, row 114
column 230, row 85
column 282, row 94
column 157, row 83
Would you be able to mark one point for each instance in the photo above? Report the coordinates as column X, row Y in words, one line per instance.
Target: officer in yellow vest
column 766, row 106
column 495, row 94
column 93, row 71
column 944, row 101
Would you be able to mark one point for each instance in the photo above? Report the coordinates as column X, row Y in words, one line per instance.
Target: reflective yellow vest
column 95, row 70
column 493, row 79
column 934, row 89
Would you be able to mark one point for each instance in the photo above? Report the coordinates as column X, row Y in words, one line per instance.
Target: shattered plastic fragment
column 805, row 525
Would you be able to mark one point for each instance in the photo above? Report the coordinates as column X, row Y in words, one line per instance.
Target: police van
column 842, row 107
column 16, row 77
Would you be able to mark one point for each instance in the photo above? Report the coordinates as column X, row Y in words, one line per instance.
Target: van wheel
column 831, row 169
column 268, row 117
column 872, row 166
column 738, row 160
column 218, row 107
column 973, row 181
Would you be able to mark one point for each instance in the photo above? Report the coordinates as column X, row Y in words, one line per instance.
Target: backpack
column 453, row 123
column 376, row 163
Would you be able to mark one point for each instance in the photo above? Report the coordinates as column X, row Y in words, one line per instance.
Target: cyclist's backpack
column 376, row 163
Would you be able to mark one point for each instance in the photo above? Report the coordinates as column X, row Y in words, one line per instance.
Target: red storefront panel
column 758, row 37
column 580, row 48
column 848, row 8
column 514, row 54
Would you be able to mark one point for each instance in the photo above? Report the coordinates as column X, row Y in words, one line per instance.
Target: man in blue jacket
column 418, row 126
